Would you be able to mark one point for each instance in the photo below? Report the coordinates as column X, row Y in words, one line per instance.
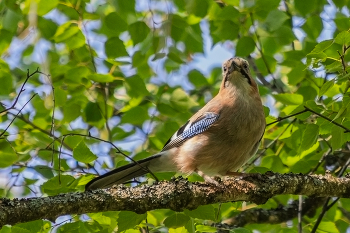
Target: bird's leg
column 207, row 178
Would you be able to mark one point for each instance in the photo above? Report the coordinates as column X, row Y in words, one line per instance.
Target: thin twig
column 262, row 54
column 115, row 147
column 328, row 119
column 269, row 145
column 342, row 61
column 286, row 117
column 40, row 129
column 16, row 115
column 21, row 90
column 326, row 207
column 291, row 22
column 300, row 214
column 320, row 161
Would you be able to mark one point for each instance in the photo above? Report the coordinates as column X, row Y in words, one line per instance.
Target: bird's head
column 236, row 73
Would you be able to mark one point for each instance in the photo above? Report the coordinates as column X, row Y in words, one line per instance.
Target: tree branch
column 277, row 215
column 176, row 195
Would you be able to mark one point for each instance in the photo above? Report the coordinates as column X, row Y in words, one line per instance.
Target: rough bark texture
column 177, row 195
column 273, row 216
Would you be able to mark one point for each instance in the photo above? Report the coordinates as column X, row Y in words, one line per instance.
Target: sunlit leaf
column 128, row 219
column 343, row 38
column 176, row 220
column 289, row 99
column 83, row 154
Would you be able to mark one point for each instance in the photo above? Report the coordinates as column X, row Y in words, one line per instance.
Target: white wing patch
column 191, row 129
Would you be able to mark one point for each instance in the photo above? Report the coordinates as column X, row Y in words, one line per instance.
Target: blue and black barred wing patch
column 191, row 129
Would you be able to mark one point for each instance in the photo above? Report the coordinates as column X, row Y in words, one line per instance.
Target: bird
column 215, row 141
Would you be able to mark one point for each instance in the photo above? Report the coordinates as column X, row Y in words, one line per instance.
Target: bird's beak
column 234, row 67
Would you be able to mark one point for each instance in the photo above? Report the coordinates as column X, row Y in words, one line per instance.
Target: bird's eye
column 224, row 68
column 245, row 66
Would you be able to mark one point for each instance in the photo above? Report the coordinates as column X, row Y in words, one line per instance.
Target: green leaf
column 16, row 229
column 135, row 87
column 124, row 7
column 289, row 99
column 65, row 31
column 128, row 219
column 204, row 228
column 175, row 57
column 322, row 46
column 5, row 40
column 313, row 27
column 76, row 74
column 92, row 112
column 45, row 6
column 176, row 220
column 240, row 230
column 33, row 226
column 75, row 227
column 138, row 31
column 76, row 41
column 10, row 20
column 245, row 46
column 158, row 56
column 71, row 111
column 6, row 229
column 83, row 154
column 197, row 7
column 197, row 78
column 297, row 74
column 202, row 212
column 319, row 56
column 177, row 26
column 225, row 30
column 6, row 83
column 325, row 87
column 275, row 19
column 59, row 184
column 338, row 137
column 136, row 116
column 114, row 48
column 226, row 13
column 45, row 171
column 7, row 154
column 328, row 227
column 102, row 78
column 310, row 136
column 305, row 7
column 344, row 108
column 181, row 101
column 115, row 22
column 343, row 38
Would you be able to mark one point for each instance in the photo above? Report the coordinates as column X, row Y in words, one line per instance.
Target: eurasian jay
column 217, row 140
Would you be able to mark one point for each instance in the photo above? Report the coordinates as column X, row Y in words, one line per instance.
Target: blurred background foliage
column 118, row 78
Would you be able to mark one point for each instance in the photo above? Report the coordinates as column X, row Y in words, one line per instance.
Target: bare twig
column 320, row 161
column 286, row 117
column 326, row 207
column 16, row 115
column 273, row 216
column 114, row 146
column 269, row 145
column 21, row 90
column 328, row 119
column 262, row 54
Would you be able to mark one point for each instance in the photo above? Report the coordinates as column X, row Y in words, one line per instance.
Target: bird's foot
column 216, row 180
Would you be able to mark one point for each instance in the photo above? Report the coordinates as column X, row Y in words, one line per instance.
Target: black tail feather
column 121, row 175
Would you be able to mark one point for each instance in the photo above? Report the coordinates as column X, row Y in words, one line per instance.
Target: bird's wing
column 191, row 129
